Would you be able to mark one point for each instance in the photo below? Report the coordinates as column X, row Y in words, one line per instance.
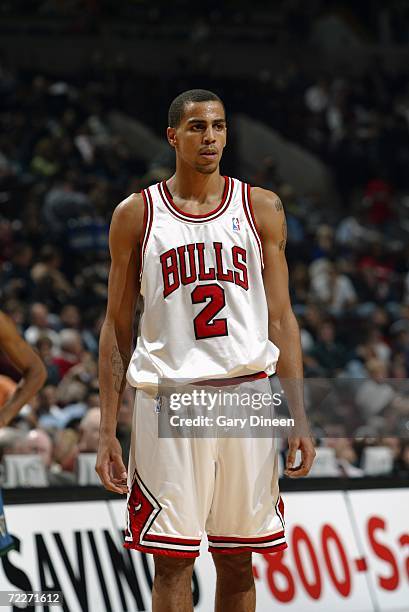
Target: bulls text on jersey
column 175, row 268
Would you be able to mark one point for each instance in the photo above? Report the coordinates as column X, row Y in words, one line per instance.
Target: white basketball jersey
column 205, row 310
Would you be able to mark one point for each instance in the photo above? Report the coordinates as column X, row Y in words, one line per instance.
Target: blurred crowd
column 291, row 19
column 62, row 170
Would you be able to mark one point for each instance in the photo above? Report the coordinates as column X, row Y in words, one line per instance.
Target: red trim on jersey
column 257, row 540
column 245, row 189
column 167, row 552
column 145, row 219
column 151, row 211
column 191, row 215
column 171, row 540
column 279, row 508
column 236, row 551
column 184, row 216
column 252, row 211
column 147, row 225
column 222, row 382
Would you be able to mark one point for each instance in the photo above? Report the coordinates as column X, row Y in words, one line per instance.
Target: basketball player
column 34, row 376
column 206, row 252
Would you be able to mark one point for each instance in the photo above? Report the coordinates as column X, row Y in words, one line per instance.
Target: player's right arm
column 115, row 347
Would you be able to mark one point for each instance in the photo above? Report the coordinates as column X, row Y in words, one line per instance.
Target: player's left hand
column 306, row 446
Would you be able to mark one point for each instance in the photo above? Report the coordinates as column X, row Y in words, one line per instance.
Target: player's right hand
column 110, row 467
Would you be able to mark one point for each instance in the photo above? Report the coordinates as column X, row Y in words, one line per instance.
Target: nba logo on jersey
column 236, row 224
column 158, row 405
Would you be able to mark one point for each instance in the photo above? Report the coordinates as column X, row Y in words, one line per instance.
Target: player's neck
column 192, row 185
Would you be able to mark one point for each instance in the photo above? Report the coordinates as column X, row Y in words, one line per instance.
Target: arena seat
column 24, row 471
column 86, row 473
column 377, row 460
column 325, row 463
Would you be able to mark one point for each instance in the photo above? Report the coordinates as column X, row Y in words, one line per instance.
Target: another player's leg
column 172, row 585
column 235, row 589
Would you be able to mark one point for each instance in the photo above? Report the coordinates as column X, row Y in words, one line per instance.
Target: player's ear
column 171, row 135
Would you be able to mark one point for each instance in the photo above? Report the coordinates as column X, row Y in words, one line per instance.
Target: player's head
column 197, row 129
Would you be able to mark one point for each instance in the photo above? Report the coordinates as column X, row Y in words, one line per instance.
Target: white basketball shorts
column 181, row 488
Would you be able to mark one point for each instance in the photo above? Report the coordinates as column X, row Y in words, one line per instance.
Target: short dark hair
column 177, row 108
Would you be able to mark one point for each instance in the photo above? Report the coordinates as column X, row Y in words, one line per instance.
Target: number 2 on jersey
column 206, row 326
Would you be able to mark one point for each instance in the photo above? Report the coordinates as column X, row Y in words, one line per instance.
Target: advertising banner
column 74, row 548
column 347, row 551
column 382, row 519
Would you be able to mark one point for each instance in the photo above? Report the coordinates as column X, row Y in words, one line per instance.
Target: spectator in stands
column 44, row 347
column 378, row 198
column 331, row 288
column 10, row 439
column 374, row 347
column 401, row 343
column 374, row 394
column 346, row 456
column 16, row 281
column 72, row 396
column 300, row 284
column 89, row 431
column 49, row 414
column 63, row 202
column 398, row 367
column 44, row 160
column 37, row 442
column 313, row 319
column 40, row 325
column 65, row 456
column 71, row 351
column 328, row 354
column 324, row 247
column 51, row 285
column 70, row 317
column 17, row 313
column 353, row 231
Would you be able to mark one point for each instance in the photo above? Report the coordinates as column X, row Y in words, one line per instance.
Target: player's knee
column 238, row 567
column 169, row 568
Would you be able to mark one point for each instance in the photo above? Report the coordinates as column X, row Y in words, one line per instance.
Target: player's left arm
column 27, row 362
column 282, row 324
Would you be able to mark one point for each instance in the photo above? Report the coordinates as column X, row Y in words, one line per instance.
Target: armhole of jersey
column 248, row 209
column 147, row 225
